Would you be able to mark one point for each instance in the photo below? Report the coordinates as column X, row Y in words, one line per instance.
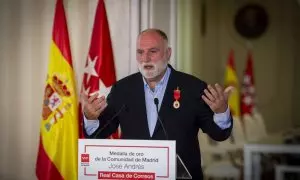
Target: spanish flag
column 57, row 154
column 231, row 79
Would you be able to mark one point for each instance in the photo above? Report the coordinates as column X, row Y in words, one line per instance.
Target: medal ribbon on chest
column 176, row 103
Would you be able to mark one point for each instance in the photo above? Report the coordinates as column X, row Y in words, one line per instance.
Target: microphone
column 109, row 121
column 156, row 102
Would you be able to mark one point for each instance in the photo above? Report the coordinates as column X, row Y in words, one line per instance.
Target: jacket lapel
column 140, row 109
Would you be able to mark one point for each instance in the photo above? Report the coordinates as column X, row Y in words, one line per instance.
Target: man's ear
column 169, row 52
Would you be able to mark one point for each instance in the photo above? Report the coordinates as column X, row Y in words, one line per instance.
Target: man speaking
column 160, row 103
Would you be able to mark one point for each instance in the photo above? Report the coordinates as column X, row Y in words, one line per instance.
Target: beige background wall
column 276, row 53
column 296, row 94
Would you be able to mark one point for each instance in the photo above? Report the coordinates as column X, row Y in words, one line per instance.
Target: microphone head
column 156, row 101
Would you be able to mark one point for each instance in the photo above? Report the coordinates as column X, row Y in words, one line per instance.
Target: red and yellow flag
column 231, row 79
column 57, row 154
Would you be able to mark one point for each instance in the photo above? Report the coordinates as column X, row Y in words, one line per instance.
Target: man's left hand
column 217, row 98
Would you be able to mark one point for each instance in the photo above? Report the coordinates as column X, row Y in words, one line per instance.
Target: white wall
column 162, row 15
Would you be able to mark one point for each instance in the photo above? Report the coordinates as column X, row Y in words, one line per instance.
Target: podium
column 129, row 159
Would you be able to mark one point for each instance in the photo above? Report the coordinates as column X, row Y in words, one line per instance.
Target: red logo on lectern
column 85, row 159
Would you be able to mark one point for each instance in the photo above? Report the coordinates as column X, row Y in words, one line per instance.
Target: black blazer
column 181, row 124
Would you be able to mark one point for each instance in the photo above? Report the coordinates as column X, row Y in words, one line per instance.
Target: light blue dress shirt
column 221, row 119
column 158, row 92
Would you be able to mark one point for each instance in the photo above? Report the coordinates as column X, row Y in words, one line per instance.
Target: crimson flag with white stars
column 248, row 89
column 99, row 72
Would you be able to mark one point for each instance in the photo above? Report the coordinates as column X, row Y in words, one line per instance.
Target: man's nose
column 146, row 57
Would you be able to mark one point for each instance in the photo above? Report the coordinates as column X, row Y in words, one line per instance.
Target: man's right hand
column 93, row 106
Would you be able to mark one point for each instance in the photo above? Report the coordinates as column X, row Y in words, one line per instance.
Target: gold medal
column 176, row 103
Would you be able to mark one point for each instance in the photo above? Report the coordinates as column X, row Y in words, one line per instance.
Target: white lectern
column 129, row 159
